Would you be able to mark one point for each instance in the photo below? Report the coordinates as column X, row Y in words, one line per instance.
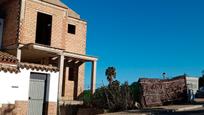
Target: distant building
column 192, row 83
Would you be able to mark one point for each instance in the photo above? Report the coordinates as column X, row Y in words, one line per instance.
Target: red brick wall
column 75, row 42
column 21, row 107
column 52, row 108
column 28, row 31
column 60, row 38
column 11, row 22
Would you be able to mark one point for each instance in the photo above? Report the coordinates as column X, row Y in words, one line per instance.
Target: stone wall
column 21, row 108
column 158, row 92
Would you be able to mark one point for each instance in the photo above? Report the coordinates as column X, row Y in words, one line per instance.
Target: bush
column 134, row 87
column 99, row 99
column 114, row 97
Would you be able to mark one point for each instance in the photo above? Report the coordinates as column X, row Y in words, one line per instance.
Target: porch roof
column 60, row 52
column 9, row 63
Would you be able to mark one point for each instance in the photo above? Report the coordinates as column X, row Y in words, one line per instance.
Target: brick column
column 93, row 77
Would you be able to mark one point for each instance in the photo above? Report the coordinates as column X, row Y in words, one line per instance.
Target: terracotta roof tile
column 9, row 63
column 9, row 68
column 7, row 58
column 38, row 67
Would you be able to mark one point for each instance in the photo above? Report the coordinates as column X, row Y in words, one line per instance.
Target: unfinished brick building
column 47, row 32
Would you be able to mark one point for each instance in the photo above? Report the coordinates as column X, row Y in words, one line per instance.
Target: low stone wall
column 155, row 92
column 19, row 108
column 7, row 109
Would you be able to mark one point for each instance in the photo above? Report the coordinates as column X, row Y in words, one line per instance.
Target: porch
column 71, row 66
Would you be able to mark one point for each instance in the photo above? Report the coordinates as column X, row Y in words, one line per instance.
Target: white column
column 93, row 77
column 61, row 67
column 18, row 55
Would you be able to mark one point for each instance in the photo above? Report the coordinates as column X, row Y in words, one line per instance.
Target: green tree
column 111, row 74
column 201, row 80
column 134, row 87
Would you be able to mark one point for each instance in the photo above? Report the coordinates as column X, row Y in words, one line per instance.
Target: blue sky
column 143, row 38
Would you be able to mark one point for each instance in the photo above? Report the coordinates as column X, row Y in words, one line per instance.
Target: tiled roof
column 56, row 2
column 9, row 63
column 7, row 58
column 9, row 68
column 38, row 67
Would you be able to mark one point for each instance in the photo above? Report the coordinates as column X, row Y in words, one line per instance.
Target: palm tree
column 164, row 75
column 111, row 74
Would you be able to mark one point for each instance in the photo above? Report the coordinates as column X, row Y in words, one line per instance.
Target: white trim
column 22, row 14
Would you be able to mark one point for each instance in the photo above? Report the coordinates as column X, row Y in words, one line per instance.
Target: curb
column 189, row 108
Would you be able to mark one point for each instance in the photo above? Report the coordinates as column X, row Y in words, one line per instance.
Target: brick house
column 48, row 33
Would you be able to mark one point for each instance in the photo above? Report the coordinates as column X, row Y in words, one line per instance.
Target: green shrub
column 134, row 87
column 114, row 97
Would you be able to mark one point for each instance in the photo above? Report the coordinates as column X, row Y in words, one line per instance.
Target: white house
column 27, row 85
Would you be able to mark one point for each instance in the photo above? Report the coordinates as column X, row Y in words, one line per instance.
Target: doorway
column 38, row 94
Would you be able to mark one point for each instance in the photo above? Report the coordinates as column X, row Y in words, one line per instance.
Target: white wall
column 192, row 83
column 15, row 87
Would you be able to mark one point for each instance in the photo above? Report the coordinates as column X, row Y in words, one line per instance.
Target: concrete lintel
column 47, row 49
column 78, row 56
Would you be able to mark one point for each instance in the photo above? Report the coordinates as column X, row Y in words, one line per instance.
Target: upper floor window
column 43, row 29
column 71, row 29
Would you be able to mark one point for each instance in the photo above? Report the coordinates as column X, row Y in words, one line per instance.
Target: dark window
column 71, row 74
column 71, row 29
column 43, row 29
